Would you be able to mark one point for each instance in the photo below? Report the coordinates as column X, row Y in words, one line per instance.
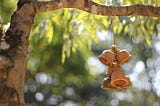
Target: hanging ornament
column 115, row 78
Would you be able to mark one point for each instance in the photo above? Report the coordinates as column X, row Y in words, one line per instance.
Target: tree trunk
column 13, row 58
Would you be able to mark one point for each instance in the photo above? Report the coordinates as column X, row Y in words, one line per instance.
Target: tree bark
column 99, row 9
column 14, row 43
column 13, row 60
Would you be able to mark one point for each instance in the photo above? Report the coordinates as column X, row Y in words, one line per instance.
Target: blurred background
column 63, row 68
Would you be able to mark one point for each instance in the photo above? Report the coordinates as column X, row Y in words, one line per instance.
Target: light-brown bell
column 106, row 85
column 123, row 56
column 107, row 57
column 119, row 79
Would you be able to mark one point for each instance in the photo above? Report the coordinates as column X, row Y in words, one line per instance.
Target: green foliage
column 53, row 38
column 67, row 26
column 6, row 9
column 141, row 28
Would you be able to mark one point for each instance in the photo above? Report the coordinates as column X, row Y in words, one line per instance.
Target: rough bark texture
column 95, row 8
column 14, row 43
column 13, row 60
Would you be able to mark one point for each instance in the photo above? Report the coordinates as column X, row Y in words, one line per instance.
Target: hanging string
column 112, row 34
column 112, row 38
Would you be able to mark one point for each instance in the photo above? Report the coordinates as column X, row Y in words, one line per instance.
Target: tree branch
column 95, row 8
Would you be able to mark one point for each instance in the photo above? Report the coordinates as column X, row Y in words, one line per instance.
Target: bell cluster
column 115, row 78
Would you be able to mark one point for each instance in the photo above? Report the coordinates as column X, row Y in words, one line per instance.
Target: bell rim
column 103, row 59
column 123, row 85
column 125, row 60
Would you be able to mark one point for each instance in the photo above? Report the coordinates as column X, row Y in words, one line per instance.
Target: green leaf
column 49, row 31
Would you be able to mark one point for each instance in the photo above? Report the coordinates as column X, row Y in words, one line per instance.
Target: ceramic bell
column 119, row 79
column 115, row 78
column 107, row 57
column 109, row 71
column 106, row 85
column 123, row 56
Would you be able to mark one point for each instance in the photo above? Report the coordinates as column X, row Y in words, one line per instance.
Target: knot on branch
column 14, row 39
column 5, row 62
column 11, row 95
column 22, row 2
column 3, row 44
column 18, row 43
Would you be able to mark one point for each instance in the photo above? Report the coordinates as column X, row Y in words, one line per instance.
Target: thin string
column 112, row 34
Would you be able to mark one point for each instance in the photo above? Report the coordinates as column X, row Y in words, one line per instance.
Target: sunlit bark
column 95, row 8
column 13, row 60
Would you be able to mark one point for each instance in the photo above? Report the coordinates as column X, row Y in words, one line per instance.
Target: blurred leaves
column 67, row 26
column 6, row 10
